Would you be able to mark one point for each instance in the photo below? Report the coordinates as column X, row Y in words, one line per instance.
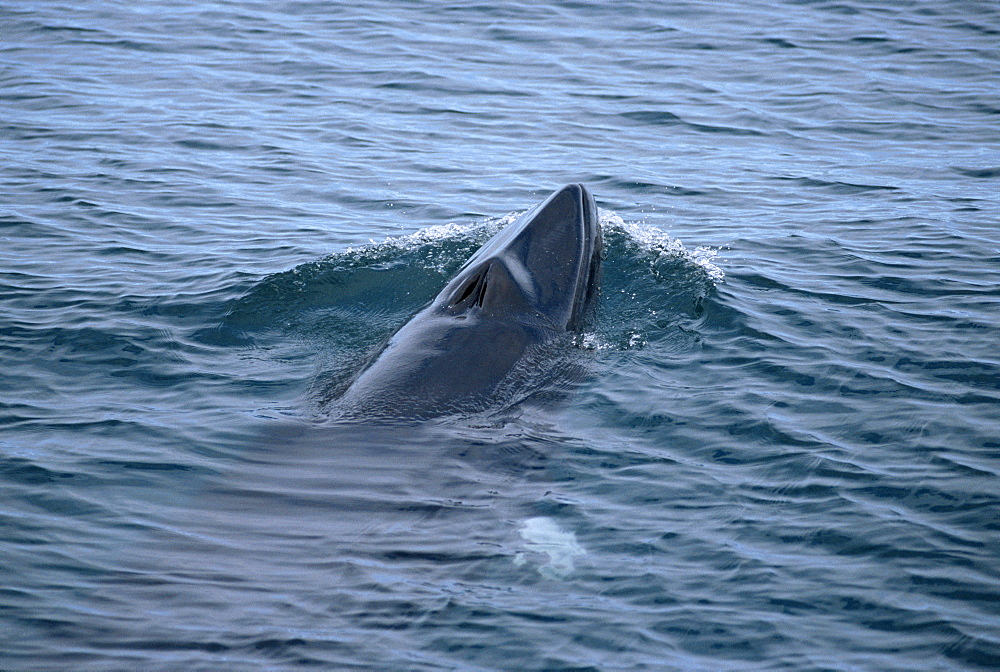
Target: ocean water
column 783, row 455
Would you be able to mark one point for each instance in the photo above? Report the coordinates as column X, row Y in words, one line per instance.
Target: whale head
column 544, row 264
column 480, row 344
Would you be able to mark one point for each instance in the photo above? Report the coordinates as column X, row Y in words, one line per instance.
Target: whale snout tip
column 577, row 188
column 571, row 203
column 578, row 192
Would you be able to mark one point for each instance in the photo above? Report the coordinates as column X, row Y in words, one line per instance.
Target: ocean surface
column 783, row 452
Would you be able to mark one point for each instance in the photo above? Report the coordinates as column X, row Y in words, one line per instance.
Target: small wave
column 653, row 240
column 439, row 247
column 435, row 234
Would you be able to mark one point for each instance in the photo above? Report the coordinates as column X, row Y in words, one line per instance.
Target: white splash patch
column 542, row 535
column 589, row 341
column 429, row 234
column 654, row 240
column 440, row 232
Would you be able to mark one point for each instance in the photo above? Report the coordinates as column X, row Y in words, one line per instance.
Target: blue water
column 783, row 452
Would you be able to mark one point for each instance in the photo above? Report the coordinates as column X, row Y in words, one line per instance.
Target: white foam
column 439, row 232
column 423, row 236
column 542, row 535
column 654, row 240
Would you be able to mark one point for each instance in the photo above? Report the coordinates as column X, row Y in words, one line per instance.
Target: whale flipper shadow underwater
column 486, row 342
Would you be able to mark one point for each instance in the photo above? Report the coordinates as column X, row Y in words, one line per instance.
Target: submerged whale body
column 487, row 340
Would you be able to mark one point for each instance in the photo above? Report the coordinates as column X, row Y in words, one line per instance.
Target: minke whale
column 492, row 337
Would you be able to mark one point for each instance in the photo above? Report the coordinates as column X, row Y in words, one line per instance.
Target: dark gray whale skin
column 481, row 343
